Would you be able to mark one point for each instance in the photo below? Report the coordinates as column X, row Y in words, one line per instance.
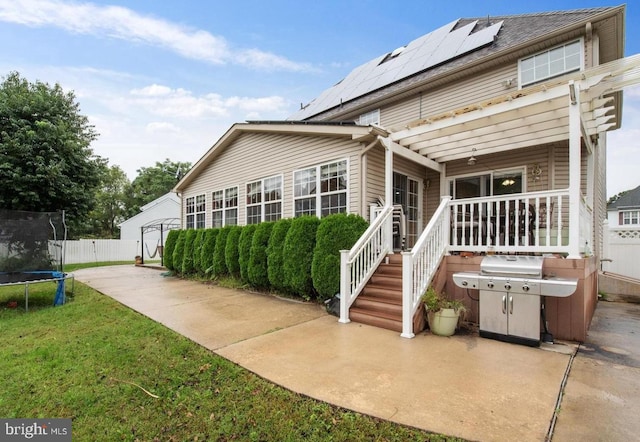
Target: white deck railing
column 420, row 264
column 527, row 222
column 536, row 222
column 358, row 264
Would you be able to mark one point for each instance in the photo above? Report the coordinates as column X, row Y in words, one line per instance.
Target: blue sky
column 165, row 79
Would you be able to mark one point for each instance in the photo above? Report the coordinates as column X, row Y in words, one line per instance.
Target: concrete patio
column 464, row 386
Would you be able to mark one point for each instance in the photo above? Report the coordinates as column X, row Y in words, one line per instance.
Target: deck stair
column 380, row 302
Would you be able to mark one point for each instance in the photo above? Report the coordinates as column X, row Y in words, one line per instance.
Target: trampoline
column 32, row 251
column 38, row 276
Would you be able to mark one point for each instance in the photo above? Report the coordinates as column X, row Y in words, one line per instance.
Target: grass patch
column 121, row 376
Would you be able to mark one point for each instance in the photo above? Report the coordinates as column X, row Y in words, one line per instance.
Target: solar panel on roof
column 425, row 52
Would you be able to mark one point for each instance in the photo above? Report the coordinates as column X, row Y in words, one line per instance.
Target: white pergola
column 579, row 108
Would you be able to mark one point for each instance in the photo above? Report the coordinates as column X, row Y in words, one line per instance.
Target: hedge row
column 299, row 256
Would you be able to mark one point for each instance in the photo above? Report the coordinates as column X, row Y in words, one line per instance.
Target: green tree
column 169, row 246
column 244, row 250
column 219, row 262
column 231, row 251
column 298, row 255
column 258, row 272
column 208, row 250
column 275, row 255
column 109, row 209
column 336, row 232
column 153, row 182
column 197, row 251
column 178, row 251
column 46, row 162
column 187, row 258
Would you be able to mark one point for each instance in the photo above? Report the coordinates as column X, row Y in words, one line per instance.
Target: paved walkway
column 465, row 386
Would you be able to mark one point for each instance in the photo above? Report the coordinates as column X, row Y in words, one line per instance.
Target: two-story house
column 486, row 134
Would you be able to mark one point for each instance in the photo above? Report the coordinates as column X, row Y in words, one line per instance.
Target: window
column 200, row 212
column 368, row 118
column 630, row 217
column 496, row 183
column 190, row 212
column 331, row 180
column 264, row 200
column 196, row 208
column 557, row 61
column 224, row 207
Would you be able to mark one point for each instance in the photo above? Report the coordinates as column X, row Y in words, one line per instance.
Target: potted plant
column 443, row 314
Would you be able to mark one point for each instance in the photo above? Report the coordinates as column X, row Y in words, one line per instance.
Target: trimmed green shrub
column 298, row 254
column 197, row 250
column 335, row 232
column 275, row 257
column 208, row 249
column 258, row 274
column 231, row 250
column 169, row 246
column 219, row 262
column 178, row 251
column 244, row 249
column 187, row 259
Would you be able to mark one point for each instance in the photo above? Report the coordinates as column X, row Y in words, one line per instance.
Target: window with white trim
column 331, row 181
column 200, row 211
column 224, row 205
column 496, row 183
column 630, row 217
column 264, row 200
column 372, row 117
column 190, row 209
column 552, row 63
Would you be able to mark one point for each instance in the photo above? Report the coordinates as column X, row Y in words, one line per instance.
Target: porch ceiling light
column 472, row 159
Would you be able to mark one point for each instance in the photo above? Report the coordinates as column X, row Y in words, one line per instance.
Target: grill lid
column 519, row 266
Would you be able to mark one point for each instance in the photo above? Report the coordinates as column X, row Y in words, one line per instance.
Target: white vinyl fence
column 97, row 250
column 622, row 247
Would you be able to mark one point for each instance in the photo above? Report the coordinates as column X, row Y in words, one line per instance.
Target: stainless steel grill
column 510, row 290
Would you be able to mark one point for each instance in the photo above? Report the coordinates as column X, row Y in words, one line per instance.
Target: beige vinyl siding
column 376, row 180
column 374, row 176
column 254, row 156
column 455, row 95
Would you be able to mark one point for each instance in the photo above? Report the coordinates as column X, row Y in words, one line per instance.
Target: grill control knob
column 507, row 286
column 525, row 288
column 490, row 284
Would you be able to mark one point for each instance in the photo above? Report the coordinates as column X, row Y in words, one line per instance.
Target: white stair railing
column 358, row 264
column 420, row 264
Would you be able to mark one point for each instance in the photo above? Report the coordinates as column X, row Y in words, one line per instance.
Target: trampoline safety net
column 31, row 240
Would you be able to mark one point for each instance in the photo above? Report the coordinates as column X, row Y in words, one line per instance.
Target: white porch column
column 575, row 135
column 388, row 187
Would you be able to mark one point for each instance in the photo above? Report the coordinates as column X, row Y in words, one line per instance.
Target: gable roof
column 168, row 200
column 630, row 200
column 167, row 196
column 458, row 46
column 305, row 128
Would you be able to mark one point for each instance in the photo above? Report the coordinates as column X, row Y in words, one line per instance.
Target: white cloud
column 162, row 127
column 623, row 147
column 125, row 24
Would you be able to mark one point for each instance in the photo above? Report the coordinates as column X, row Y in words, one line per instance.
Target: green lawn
column 121, row 376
